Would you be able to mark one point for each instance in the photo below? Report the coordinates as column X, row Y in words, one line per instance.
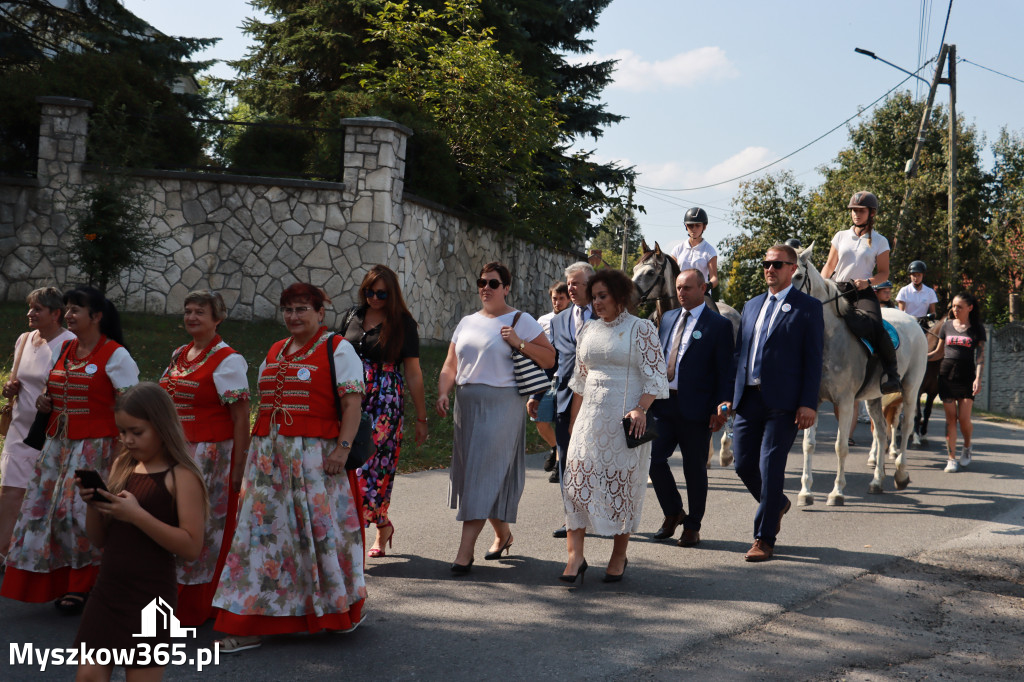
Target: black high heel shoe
column 579, row 573
column 491, row 556
column 609, row 578
column 462, row 569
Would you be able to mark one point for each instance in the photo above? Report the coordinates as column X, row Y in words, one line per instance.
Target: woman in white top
column 860, row 256
column 34, row 352
column 698, row 253
column 488, row 469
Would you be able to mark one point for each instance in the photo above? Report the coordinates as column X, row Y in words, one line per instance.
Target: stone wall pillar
column 38, row 258
column 374, row 182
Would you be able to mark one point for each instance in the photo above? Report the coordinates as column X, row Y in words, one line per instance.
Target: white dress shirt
column 691, row 322
column 780, row 299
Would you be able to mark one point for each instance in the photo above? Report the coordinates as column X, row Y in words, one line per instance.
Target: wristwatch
column 522, row 345
column 345, row 444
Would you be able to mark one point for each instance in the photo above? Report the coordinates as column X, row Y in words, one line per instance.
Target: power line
column 796, row 151
column 1000, row 73
column 946, row 25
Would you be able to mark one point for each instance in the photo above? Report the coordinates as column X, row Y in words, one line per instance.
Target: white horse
column 843, row 382
column 655, row 279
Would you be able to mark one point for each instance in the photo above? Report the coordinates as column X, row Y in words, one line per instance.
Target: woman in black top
column 963, row 355
column 384, row 334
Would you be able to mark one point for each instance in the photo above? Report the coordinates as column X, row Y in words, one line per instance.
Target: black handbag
column 363, row 447
column 627, row 424
column 36, row 436
column 632, row 441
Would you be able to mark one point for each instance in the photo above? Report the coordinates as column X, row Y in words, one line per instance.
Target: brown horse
column 929, row 386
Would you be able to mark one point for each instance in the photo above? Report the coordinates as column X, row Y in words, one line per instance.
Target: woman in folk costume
column 206, row 380
column 296, row 559
column 52, row 557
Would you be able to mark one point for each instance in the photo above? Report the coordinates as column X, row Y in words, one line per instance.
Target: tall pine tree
column 308, row 64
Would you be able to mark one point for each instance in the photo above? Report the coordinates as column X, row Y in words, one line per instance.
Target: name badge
column 303, row 374
column 696, row 334
column 786, row 307
column 91, row 368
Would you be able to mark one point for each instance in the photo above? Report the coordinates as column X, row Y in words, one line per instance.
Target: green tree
column 609, row 239
column 319, row 62
column 476, row 98
column 874, row 160
column 768, row 210
column 96, row 50
column 1006, row 233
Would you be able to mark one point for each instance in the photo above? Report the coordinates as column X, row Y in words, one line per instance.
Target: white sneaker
column 951, row 466
column 965, row 456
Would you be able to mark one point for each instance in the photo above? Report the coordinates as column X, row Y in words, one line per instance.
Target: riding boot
column 887, row 354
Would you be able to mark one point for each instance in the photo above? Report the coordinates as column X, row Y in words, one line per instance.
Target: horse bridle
column 807, row 290
column 657, row 280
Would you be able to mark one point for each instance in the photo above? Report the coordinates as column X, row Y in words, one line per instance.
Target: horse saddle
column 893, row 335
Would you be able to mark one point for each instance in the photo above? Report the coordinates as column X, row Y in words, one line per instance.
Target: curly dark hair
column 620, row 286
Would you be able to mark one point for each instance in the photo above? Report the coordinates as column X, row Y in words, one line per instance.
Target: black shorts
column 952, row 384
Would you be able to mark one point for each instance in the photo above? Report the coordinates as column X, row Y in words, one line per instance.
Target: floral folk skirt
column 383, row 401
column 51, row 554
column 197, row 580
column 296, row 559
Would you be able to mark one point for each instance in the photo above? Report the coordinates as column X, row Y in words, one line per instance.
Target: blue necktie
column 755, row 372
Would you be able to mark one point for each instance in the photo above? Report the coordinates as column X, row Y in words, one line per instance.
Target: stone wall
column 250, row 237
column 1002, row 385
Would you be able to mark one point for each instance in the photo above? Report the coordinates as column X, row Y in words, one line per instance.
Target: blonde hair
column 149, row 402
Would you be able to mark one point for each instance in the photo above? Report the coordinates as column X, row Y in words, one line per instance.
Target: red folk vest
column 296, row 392
column 191, row 387
column 82, row 390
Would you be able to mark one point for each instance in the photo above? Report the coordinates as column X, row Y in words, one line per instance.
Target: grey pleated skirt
column 488, row 471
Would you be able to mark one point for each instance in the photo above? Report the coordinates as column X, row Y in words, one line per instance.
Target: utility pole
column 911, row 169
column 626, row 223
column 954, row 264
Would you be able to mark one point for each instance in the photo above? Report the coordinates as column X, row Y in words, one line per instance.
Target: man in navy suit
column 564, row 328
column 778, row 374
column 698, row 347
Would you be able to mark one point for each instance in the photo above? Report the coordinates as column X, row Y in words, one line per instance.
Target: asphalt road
column 926, row 583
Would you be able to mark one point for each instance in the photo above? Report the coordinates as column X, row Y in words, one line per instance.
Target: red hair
column 303, row 292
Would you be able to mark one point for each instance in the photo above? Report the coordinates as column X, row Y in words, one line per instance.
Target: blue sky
column 716, row 89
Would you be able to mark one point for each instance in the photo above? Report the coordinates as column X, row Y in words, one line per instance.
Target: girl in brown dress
column 155, row 510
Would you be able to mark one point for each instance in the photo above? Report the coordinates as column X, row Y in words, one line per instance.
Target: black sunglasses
column 381, row 295
column 777, row 264
column 492, row 283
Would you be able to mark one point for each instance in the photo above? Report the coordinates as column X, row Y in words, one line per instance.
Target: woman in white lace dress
column 620, row 371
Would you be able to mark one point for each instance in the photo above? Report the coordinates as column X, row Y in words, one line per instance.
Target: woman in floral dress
column 52, row 555
column 206, row 380
column 296, row 559
column 384, row 334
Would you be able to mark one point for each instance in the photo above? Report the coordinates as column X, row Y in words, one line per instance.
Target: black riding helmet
column 865, row 200
column 917, row 266
column 695, row 215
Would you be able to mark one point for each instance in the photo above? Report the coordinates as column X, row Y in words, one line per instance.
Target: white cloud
column 676, row 175
column 634, row 73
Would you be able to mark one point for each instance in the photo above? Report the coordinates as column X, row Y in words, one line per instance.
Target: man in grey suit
column 564, row 328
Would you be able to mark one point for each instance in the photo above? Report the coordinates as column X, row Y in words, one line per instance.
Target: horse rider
column 917, row 299
column 860, row 257
column 698, row 253
column 884, row 293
